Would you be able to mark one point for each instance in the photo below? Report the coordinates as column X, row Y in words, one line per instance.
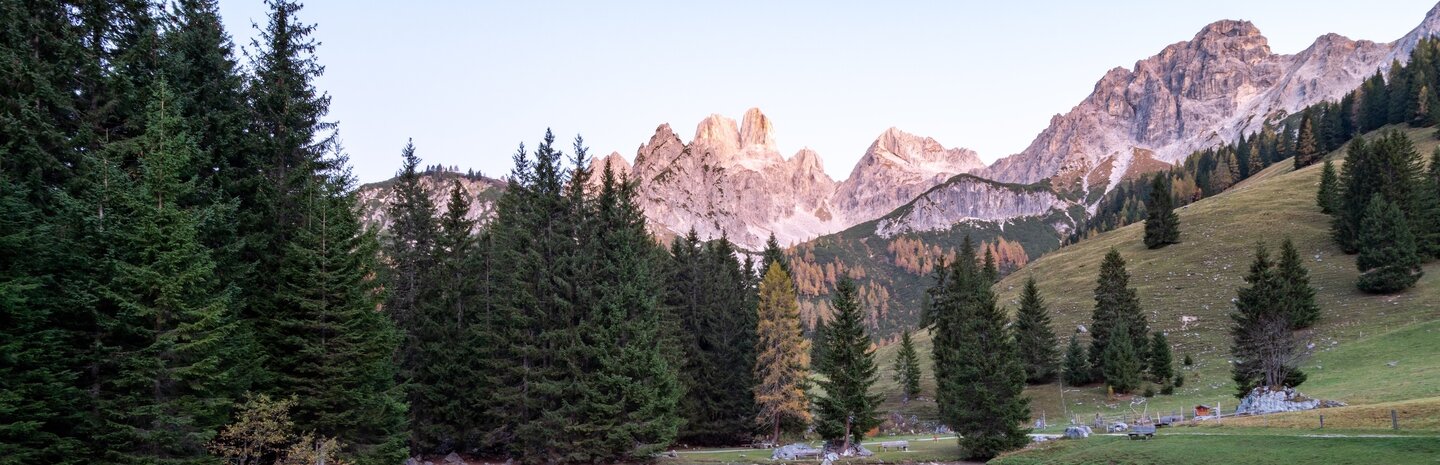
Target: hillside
column 1356, row 341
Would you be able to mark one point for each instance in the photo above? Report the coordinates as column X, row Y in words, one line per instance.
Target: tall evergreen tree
column 449, row 337
column 1357, row 184
column 177, row 355
column 1077, row 370
column 334, row 348
column 978, row 372
column 1162, row 225
column 409, row 248
column 1328, row 196
column 1389, row 260
column 1117, row 309
column 1162, row 363
column 774, row 254
column 1262, row 340
column 907, row 368
column 628, row 392
column 988, row 269
column 848, row 409
column 782, row 356
column 1038, row 347
column 1296, row 294
column 44, row 317
column 1120, row 365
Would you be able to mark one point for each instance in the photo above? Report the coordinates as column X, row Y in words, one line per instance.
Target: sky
column 470, row 80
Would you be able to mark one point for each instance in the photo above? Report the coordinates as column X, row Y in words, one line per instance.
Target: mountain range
column 730, row 180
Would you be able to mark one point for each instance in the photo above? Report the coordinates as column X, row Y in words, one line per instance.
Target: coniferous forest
column 187, row 276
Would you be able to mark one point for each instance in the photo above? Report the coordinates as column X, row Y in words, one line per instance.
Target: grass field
column 1256, row 449
column 1368, row 349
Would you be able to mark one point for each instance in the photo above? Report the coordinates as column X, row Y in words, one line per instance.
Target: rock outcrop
column 969, row 198
column 1196, row 94
column 896, row 168
column 484, row 192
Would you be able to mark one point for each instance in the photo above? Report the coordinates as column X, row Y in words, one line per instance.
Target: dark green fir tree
column 1296, row 293
column 848, row 409
column 907, row 368
column 1077, row 370
column 1117, row 309
column 1162, row 225
column 1389, row 261
column 1162, row 363
column 1034, row 338
column 979, row 376
column 1328, row 196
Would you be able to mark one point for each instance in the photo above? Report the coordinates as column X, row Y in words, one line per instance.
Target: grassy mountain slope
column 1357, row 338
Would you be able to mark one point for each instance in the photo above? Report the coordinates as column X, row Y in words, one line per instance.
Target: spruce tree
column 1426, row 218
column 988, row 270
column 782, row 356
column 1162, row 225
column 1077, row 370
column 44, row 317
column 1120, row 365
column 773, row 254
column 1328, row 196
column 1262, row 338
column 1038, row 347
column 848, row 409
column 978, row 372
column 177, row 356
column 1358, row 183
column 709, row 297
column 1117, row 309
column 1162, row 363
column 907, row 368
column 336, row 352
column 627, row 392
column 1296, row 294
column 409, row 249
column 449, row 337
column 1389, row 260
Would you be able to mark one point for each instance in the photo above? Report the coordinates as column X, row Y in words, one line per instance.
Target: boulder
column 794, row 451
column 1077, row 432
column 454, row 459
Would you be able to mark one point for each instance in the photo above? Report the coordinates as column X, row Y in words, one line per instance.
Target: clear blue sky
column 468, row 80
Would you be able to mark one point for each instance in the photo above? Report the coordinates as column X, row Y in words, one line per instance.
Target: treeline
column 179, row 230
column 184, row 278
column 1405, row 94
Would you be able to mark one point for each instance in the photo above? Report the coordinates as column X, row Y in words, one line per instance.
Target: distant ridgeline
column 1406, row 95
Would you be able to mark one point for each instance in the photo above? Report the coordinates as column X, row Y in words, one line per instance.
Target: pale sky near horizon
column 469, row 80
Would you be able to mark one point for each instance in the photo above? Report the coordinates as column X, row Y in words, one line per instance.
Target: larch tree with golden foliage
column 782, row 356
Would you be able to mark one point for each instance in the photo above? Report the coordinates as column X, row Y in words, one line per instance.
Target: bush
column 1168, row 389
column 1179, row 380
column 1149, row 391
column 1189, row 361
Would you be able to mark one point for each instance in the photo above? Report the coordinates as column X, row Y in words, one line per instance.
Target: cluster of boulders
column 1264, row 400
column 794, row 451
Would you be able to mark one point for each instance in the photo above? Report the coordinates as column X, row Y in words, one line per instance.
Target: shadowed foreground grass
column 1197, row 449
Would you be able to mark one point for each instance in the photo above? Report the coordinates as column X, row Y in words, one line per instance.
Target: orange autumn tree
column 782, row 356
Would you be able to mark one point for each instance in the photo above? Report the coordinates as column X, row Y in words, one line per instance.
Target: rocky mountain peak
column 756, row 129
column 614, row 160
column 718, row 133
column 1228, row 28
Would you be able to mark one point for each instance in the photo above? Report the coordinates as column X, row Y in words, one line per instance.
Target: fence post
column 1322, row 421
column 1394, row 420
